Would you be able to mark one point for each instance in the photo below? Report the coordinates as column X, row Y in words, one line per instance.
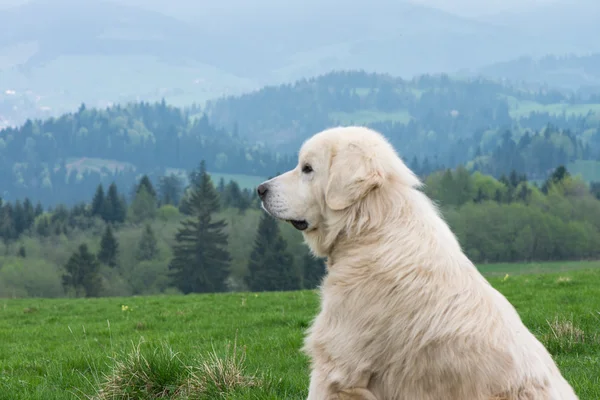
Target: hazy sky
column 481, row 7
column 461, row 7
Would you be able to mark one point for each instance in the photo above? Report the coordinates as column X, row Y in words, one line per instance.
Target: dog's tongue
column 300, row 225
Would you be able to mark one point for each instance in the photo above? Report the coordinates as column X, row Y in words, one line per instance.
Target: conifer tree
column 7, row 225
column 114, row 207
column 109, row 248
column 28, row 213
column 43, row 226
column 221, row 186
column 19, row 218
column 22, row 253
column 147, row 247
column 595, row 189
column 39, row 210
column 271, row 265
column 98, row 201
column 201, row 260
column 147, row 184
column 81, row 273
column 170, row 190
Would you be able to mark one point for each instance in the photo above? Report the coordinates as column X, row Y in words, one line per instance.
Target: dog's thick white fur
column 405, row 315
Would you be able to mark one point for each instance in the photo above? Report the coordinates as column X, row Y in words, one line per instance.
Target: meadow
column 246, row 345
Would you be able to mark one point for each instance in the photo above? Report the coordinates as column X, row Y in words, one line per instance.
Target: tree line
column 198, row 259
column 213, row 237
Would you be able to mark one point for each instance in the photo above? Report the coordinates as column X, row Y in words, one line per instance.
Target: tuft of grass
column 563, row 279
column 564, row 336
column 142, row 376
column 162, row 374
column 227, row 373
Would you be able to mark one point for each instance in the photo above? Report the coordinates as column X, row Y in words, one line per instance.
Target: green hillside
column 570, row 72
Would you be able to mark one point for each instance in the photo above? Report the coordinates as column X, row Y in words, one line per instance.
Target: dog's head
column 338, row 169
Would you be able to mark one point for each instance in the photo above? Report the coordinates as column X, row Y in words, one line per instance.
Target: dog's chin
column 301, row 225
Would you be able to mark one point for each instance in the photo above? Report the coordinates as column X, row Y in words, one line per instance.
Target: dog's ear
column 352, row 175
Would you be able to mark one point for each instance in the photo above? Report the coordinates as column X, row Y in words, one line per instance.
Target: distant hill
column 55, row 54
column 434, row 120
column 554, row 27
column 569, row 72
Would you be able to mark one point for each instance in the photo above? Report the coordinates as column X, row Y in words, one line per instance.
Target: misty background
column 56, row 54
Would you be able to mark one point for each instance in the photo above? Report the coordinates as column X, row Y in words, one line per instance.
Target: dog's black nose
column 262, row 190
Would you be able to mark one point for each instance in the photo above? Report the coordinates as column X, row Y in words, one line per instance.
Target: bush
column 29, row 278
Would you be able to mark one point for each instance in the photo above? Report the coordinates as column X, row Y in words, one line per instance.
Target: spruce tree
column 559, row 174
column 39, row 210
column 98, row 202
column 29, row 213
column 170, row 190
column 313, row 271
column 109, row 248
column 147, row 247
column 81, row 273
column 271, row 266
column 19, row 218
column 114, row 208
column 7, row 225
column 595, row 189
column 201, row 261
column 147, row 184
column 43, row 226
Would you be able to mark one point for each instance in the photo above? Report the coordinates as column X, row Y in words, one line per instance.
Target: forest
column 442, row 122
column 42, row 159
column 435, row 122
column 212, row 236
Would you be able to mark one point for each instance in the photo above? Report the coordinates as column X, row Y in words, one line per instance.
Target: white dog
column 404, row 315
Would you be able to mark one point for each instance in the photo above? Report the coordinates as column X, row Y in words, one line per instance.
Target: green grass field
column 522, row 108
column 177, row 346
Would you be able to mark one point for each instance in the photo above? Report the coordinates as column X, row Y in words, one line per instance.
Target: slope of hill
column 568, row 72
column 436, row 120
column 571, row 26
column 57, row 54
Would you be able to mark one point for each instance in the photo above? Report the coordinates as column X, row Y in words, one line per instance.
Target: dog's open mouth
column 300, row 225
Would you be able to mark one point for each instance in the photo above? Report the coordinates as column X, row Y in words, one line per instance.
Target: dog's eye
column 307, row 169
